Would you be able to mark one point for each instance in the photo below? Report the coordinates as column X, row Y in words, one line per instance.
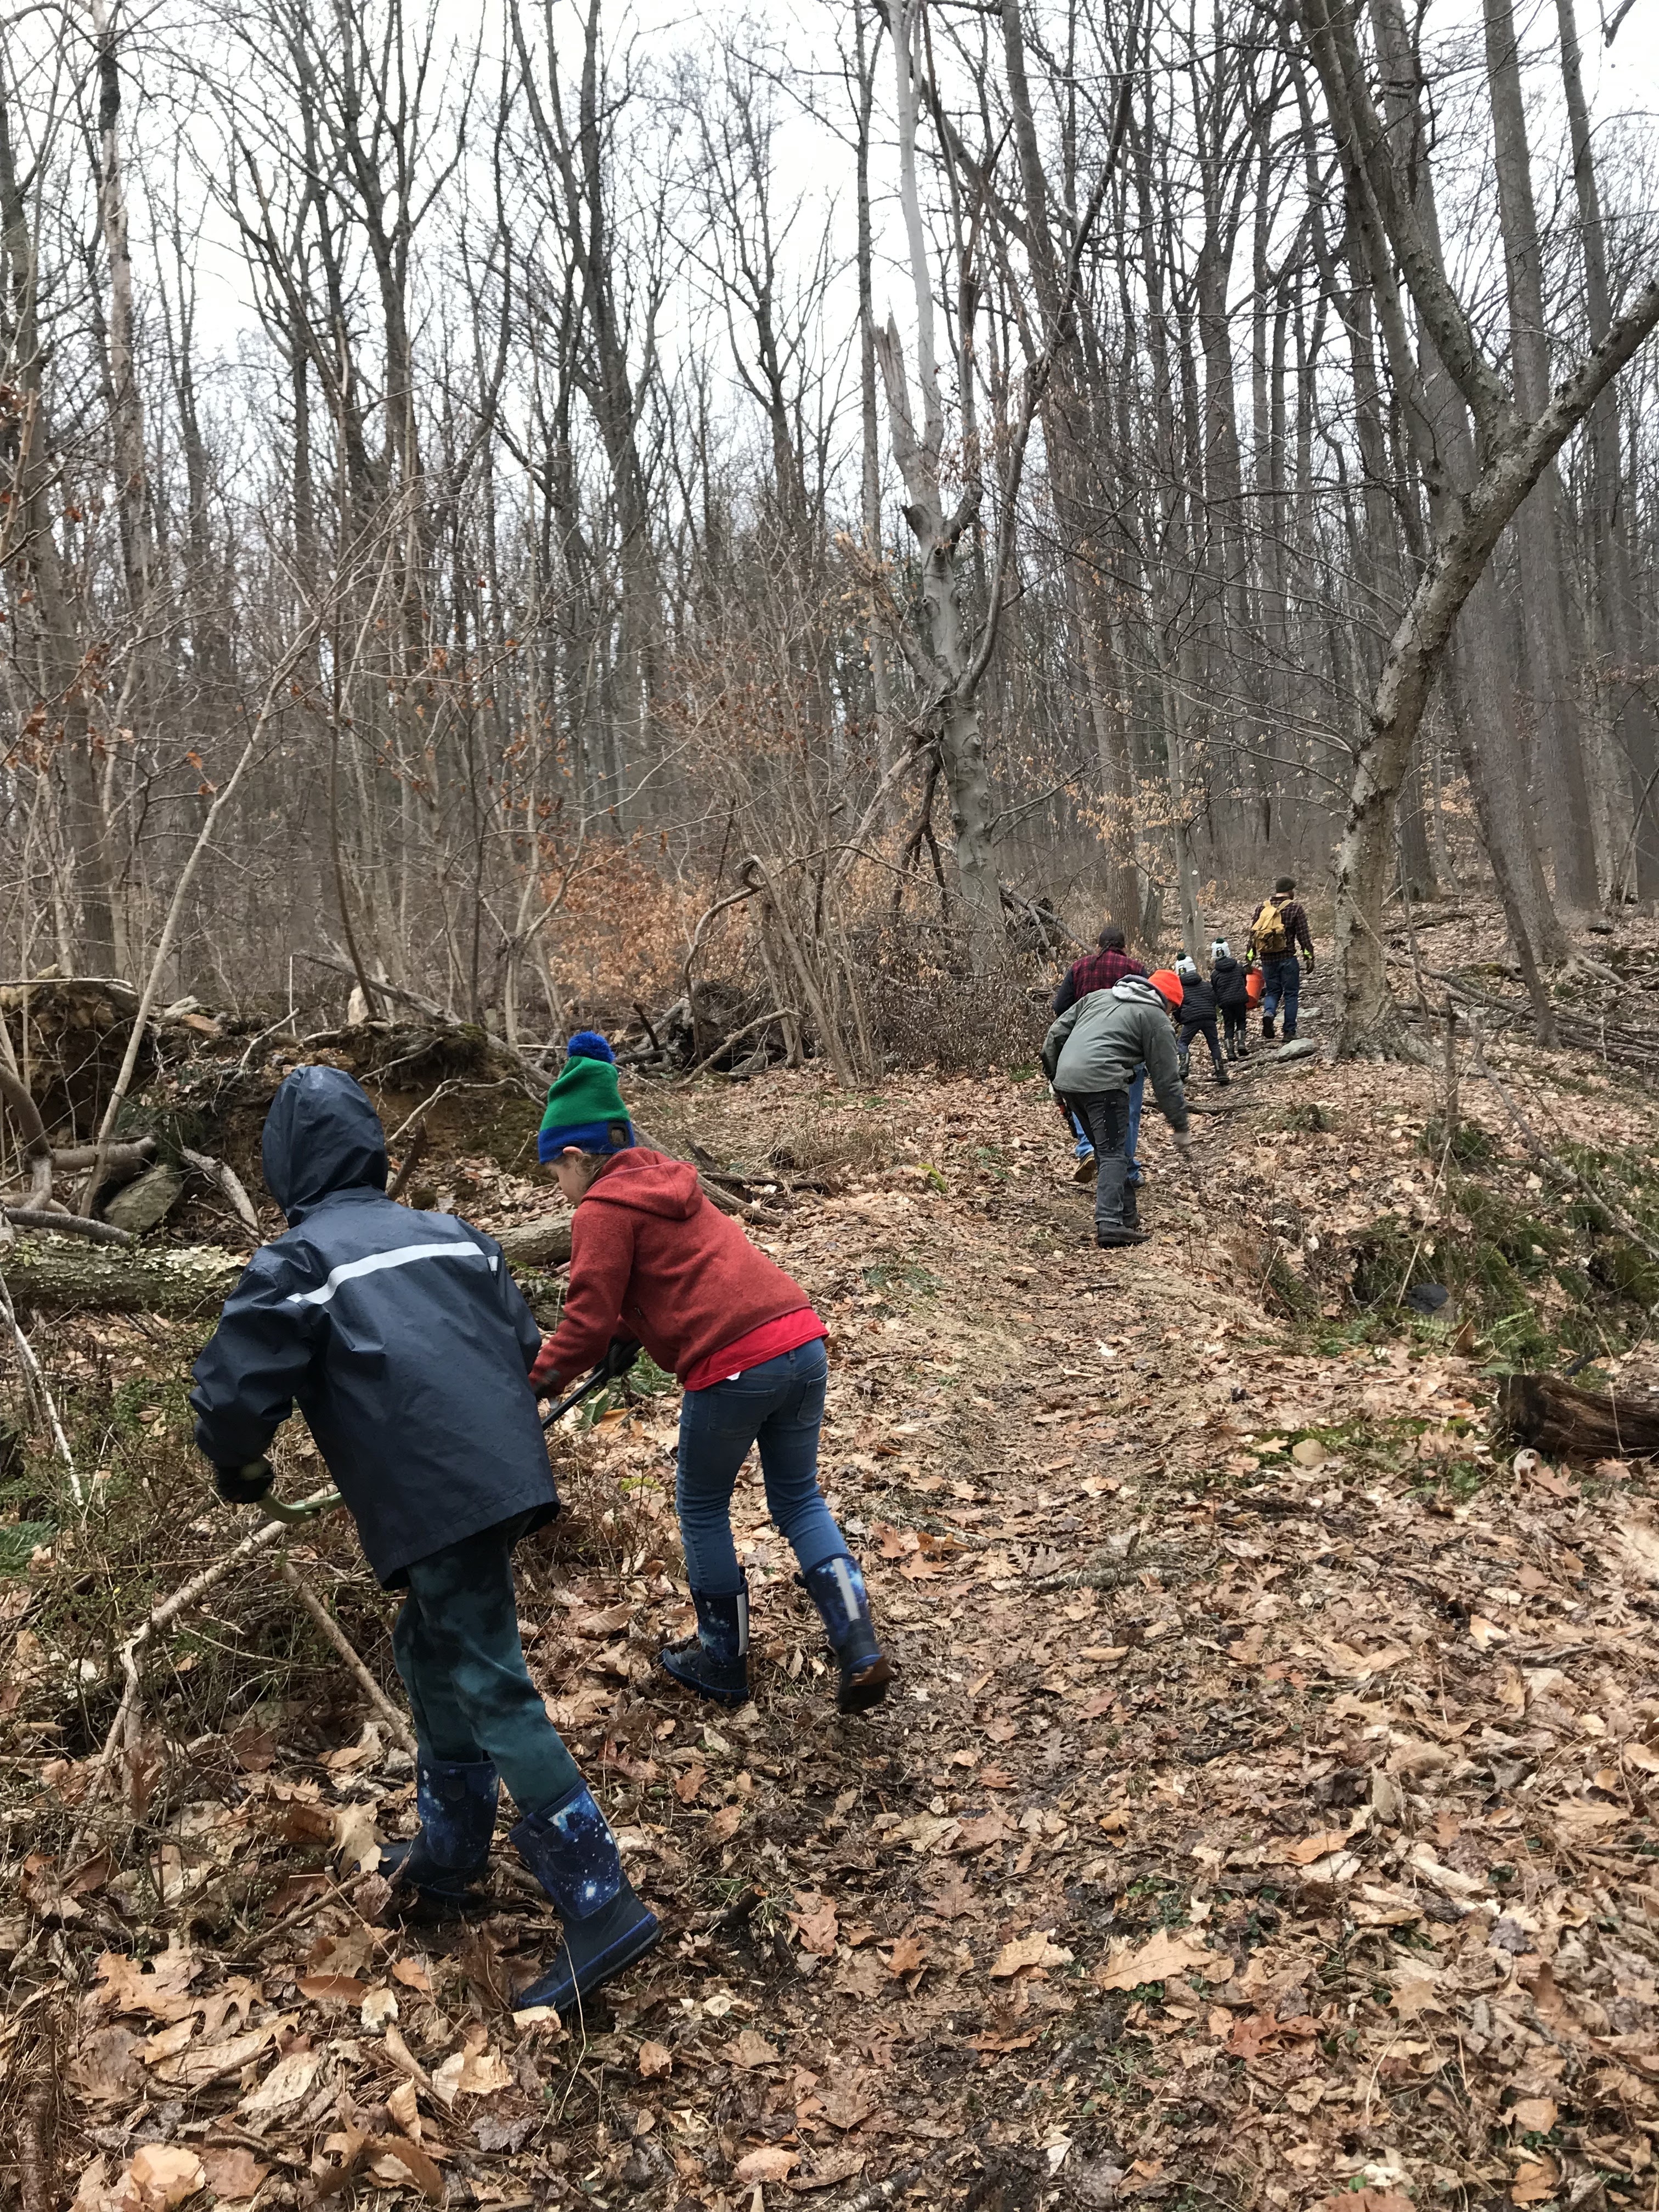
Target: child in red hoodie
column 651, row 1258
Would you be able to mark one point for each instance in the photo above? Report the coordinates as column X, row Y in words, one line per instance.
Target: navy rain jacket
column 401, row 1336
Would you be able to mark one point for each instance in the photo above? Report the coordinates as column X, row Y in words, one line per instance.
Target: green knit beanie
column 585, row 1104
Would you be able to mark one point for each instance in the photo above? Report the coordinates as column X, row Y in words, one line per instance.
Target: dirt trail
column 1261, row 1813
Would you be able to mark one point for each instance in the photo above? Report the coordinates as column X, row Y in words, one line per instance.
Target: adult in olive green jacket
column 1090, row 1056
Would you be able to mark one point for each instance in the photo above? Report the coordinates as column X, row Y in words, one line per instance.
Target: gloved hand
column 544, row 1376
column 1182, row 1141
column 1309, row 958
column 620, row 1354
column 244, row 1485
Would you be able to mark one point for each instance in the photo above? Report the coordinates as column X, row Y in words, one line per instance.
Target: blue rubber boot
column 570, row 1849
column 836, row 1588
column 448, row 1856
column 715, row 1663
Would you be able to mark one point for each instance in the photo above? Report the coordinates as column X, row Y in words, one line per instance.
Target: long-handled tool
column 295, row 1516
column 602, row 1375
column 619, row 1356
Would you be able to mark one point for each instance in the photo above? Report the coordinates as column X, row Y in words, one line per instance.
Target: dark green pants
column 457, row 1646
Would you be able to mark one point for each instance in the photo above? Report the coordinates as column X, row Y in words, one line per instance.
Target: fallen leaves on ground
column 1264, row 1807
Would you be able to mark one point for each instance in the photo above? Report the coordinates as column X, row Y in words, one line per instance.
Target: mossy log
column 1559, row 1418
column 58, row 1275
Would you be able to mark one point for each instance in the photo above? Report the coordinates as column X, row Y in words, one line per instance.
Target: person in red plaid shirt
column 1099, row 971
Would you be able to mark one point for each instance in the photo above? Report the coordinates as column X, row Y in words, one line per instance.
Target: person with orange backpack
column 1279, row 930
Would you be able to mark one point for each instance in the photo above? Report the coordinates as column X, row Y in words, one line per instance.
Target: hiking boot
column 1086, row 1171
column 448, row 1856
column 570, row 1849
column 1267, row 1025
column 1222, row 1076
column 1113, row 1240
column 715, row 1663
column 1289, row 1036
column 1182, row 1066
column 836, row 1588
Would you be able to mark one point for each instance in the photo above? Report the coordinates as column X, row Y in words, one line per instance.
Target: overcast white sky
column 1622, row 83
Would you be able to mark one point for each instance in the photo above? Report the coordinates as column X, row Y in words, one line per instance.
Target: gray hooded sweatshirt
column 1098, row 1043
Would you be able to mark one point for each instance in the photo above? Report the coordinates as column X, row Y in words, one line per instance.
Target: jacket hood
column 650, row 1183
column 1139, row 993
column 322, row 1135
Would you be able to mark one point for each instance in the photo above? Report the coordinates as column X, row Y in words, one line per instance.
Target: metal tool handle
column 275, row 1509
column 596, row 1381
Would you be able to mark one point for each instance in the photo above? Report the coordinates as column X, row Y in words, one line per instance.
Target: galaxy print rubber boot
column 836, row 1588
column 441, row 1865
column 570, row 1849
column 715, row 1663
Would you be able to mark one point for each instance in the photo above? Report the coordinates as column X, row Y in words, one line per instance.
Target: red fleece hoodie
column 650, row 1257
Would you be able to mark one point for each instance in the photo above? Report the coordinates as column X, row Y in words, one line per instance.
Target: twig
column 428, row 1006
column 66, row 1225
column 184, row 1596
column 35, row 2161
column 302, row 1911
column 727, row 1043
column 32, row 1132
column 414, row 1152
column 26, row 1353
column 337, row 1636
column 227, row 1180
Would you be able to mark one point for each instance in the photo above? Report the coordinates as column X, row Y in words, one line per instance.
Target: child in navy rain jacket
column 403, row 1341
column 1197, row 1017
column 1230, row 982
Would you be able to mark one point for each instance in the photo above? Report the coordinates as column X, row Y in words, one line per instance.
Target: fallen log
column 1563, row 1421
column 52, row 1275
column 544, row 1243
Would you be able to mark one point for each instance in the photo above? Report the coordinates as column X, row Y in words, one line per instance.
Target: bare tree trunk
column 60, row 668
column 1636, row 728
column 881, row 679
column 1514, row 452
column 1538, row 532
column 919, row 455
column 131, row 470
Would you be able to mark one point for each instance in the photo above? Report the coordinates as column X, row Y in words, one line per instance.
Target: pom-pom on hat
column 585, row 1105
column 589, row 1044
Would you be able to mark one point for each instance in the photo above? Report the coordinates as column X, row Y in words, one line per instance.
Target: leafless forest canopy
column 477, row 497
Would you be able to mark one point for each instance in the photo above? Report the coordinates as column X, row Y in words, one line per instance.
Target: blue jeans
column 777, row 1405
column 1283, row 981
column 1137, row 1094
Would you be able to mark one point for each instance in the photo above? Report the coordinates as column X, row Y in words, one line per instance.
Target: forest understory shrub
column 1535, row 1270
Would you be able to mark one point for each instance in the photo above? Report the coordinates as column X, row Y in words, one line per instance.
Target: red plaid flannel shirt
column 1099, row 971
